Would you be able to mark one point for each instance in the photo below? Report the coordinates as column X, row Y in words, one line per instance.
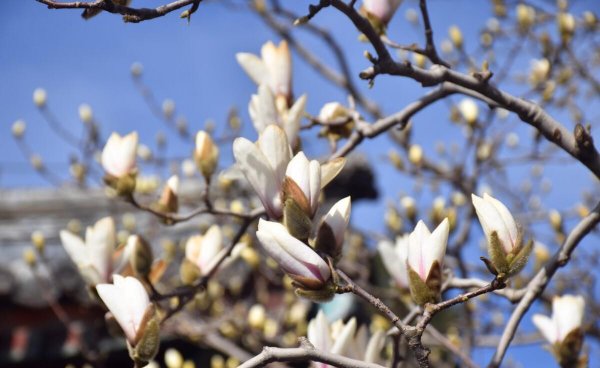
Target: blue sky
column 194, row 64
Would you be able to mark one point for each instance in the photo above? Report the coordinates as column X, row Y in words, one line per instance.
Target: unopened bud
column 18, row 128
column 257, row 316
column 206, row 154
column 141, row 255
column 168, row 108
column 85, row 113
column 148, row 338
column 40, row 97
column 29, row 257
column 39, row 241
column 525, row 16
column 415, row 154
column 456, row 36
column 36, row 162
column 169, row 200
column 137, row 69
column 566, row 26
column 173, row 358
column 410, row 208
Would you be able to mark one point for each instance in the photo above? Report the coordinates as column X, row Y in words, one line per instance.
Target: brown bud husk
column 427, row 291
column 292, row 191
column 323, row 294
column 296, row 221
column 169, row 201
column 325, row 241
column 147, row 339
column 567, row 351
column 141, row 258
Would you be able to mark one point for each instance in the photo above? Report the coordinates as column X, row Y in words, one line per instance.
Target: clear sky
column 194, row 64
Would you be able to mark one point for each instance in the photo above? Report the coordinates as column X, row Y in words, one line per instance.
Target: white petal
column 416, row 242
column 298, row 171
column 275, row 147
column 546, row 327
column 393, row 264
column 254, row 67
column 374, row 347
column 435, row 247
column 507, row 218
column 338, row 217
column 294, row 117
column 344, row 338
column 491, row 221
column 314, row 173
column 262, row 109
column 278, row 62
column 100, row 242
column 318, row 332
column 212, row 244
column 259, row 173
column 567, row 313
column 75, row 247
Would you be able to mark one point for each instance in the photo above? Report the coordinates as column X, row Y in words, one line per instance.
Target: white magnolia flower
column 205, row 251
column 94, row 256
column 297, row 259
column 567, row 315
column 119, row 153
column 273, row 68
column 264, row 165
column 264, row 111
column 343, row 339
column 494, row 216
column 127, row 300
column 426, row 248
column 337, row 219
column 394, row 257
column 307, row 176
column 383, row 10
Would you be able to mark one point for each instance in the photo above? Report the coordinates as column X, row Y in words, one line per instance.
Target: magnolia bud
column 148, row 339
column 168, row 108
column 566, row 26
column 456, row 36
column 189, row 272
column 137, row 69
column 257, row 316
column 39, row 241
column 18, row 128
column 410, row 208
column 415, row 154
column 469, row 110
column 173, row 358
column 29, row 257
column 555, row 220
column 169, row 199
column 525, row 16
column 85, row 113
column 206, row 154
column 40, row 97
column 36, row 162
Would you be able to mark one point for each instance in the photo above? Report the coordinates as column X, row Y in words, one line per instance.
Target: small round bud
column 38, row 240
column 173, row 358
column 29, row 257
column 18, row 128
column 168, row 108
column 188, row 168
column 144, row 152
column 36, row 162
column 137, row 69
column 456, row 36
column 40, row 97
column 257, row 316
column 85, row 113
column 415, row 154
column 412, row 16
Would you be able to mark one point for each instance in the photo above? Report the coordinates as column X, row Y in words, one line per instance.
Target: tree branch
column 540, row 281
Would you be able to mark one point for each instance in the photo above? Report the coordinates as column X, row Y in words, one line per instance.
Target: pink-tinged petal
column 344, row 338
column 290, row 253
column 259, row 173
column 416, row 241
column 435, row 247
column 382, row 9
column 254, row 67
column 318, row 332
column 119, row 153
column 546, row 327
